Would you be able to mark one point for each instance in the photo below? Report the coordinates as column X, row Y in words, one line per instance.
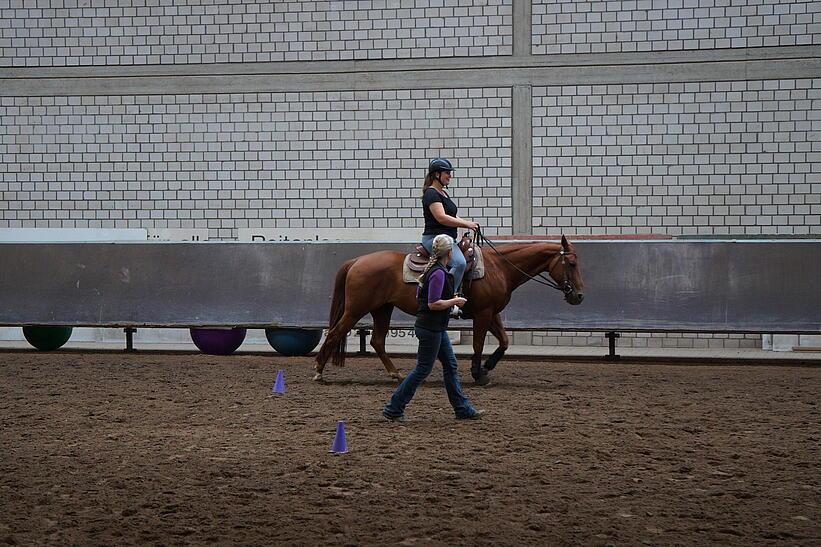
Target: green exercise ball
column 292, row 342
column 47, row 338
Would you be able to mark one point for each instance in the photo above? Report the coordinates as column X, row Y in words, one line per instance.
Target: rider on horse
column 441, row 218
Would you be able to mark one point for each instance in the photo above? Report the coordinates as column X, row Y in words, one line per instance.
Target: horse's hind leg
column 497, row 329
column 334, row 339
column 381, row 324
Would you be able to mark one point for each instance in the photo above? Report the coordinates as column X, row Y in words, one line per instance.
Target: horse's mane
column 508, row 248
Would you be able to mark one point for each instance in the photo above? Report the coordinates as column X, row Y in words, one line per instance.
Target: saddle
column 416, row 261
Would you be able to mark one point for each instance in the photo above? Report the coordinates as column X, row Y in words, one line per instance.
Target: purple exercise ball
column 218, row 341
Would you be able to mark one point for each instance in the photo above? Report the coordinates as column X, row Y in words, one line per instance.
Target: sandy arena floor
column 111, row 448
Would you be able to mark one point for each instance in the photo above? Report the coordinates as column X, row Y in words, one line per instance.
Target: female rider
column 441, row 218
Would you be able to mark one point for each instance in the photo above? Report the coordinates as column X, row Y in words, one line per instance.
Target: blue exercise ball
column 292, row 342
column 218, row 341
column 47, row 338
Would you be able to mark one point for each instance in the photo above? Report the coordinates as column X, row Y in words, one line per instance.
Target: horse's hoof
column 482, row 380
column 476, row 372
column 398, row 377
column 317, row 377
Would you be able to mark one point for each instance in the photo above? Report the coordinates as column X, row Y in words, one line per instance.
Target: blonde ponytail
column 440, row 247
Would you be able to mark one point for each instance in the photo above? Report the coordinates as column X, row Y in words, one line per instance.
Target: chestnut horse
column 373, row 284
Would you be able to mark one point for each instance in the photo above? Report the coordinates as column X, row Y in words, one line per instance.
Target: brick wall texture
column 583, row 26
column 708, row 158
column 145, row 32
column 229, row 161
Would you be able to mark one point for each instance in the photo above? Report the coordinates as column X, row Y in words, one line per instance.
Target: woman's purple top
column 436, row 284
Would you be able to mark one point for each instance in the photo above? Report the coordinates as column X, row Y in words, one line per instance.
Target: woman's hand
column 459, row 301
column 470, row 225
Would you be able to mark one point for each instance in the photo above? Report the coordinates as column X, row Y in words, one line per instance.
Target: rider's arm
column 438, row 212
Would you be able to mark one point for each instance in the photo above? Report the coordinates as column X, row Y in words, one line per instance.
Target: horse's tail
column 337, row 311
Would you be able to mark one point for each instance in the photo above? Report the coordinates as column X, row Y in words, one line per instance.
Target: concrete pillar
column 521, row 141
column 522, row 28
column 522, row 159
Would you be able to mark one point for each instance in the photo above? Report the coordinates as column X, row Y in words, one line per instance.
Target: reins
column 565, row 287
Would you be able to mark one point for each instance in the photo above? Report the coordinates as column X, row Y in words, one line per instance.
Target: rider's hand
column 470, row 225
column 459, row 301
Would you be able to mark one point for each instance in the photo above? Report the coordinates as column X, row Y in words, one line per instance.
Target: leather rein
column 565, row 286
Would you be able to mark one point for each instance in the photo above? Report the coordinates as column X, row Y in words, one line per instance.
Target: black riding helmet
column 440, row 164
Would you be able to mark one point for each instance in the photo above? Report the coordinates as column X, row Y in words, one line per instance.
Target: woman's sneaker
column 393, row 418
column 475, row 416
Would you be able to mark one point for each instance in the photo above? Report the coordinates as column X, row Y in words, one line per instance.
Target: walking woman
column 435, row 297
column 440, row 215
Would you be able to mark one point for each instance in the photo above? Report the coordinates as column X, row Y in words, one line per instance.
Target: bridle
column 565, row 286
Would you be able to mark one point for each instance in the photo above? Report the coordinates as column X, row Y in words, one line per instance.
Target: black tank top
column 426, row 317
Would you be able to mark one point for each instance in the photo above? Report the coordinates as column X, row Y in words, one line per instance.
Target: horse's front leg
column 497, row 329
column 381, row 324
column 481, row 323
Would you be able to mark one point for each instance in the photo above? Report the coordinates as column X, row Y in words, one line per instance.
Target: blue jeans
column 457, row 260
column 432, row 344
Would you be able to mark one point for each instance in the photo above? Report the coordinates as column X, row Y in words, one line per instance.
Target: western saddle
column 418, row 259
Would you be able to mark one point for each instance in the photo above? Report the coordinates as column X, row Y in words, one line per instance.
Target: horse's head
column 566, row 272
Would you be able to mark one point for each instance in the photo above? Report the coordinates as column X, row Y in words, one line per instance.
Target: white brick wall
column 230, row 161
column 582, row 26
column 712, row 158
column 139, row 32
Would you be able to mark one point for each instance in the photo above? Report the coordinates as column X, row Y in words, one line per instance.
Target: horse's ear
column 565, row 244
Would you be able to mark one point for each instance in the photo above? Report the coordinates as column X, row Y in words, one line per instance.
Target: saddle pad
column 408, row 275
column 478, row 270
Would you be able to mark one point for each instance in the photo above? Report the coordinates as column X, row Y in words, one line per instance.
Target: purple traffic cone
column 340, row 445
column 279, row 384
